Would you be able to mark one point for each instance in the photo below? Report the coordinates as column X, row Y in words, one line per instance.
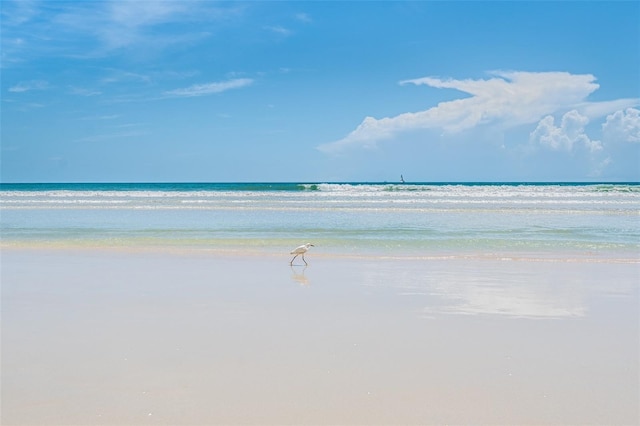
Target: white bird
column 300, row 251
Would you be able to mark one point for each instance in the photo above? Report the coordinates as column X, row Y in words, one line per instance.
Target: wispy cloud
column 17, row 12
column 303, row 17
column 127, row 21
column 27, row 86
column 104, row 26
column 102, row 117
column 209, row 88
column 119, row 76
column 278, row 29
column 80, row 91
column 506, row 100
column 110, row 136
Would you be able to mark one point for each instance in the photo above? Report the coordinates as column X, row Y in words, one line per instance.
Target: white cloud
column 37, row 29
column 506, row 100
column 209, row 88
column 126, row 20
column 279, row 30
column 27, row 86
column 303, row 17
column 119, row 135
column 118, row 24
column 18, row 12
column 80, row 91
column 135, row 13
column 565, row 137
column 102, row 117
column 600, row 109
column 119, row 76
column 622, row 126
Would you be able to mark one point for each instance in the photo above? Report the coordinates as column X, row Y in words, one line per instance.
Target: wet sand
column 110, row 337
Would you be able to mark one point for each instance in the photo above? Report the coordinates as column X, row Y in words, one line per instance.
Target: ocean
column 356, row 219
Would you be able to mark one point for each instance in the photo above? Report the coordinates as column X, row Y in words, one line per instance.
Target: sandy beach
column 124, row 337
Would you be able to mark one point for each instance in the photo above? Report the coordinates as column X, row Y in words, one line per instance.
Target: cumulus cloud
column 565, row 137
column 209, row 88
column 506, row 100
column 622, row 126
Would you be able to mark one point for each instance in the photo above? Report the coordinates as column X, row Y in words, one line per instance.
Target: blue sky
column 111, row 91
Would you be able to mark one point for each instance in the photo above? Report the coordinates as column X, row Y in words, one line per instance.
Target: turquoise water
column 340, row 218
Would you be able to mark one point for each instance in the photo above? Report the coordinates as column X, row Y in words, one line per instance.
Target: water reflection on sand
column 523, row 289
column 297, row 275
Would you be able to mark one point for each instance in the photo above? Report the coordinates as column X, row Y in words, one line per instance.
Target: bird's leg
column 305, row 262
column 294, row 258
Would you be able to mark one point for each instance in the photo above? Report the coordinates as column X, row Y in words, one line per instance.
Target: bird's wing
column 299, row 249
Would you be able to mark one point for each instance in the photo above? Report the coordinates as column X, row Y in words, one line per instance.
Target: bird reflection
column 298, row 276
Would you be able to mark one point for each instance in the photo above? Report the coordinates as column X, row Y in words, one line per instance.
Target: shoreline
column 612, row 256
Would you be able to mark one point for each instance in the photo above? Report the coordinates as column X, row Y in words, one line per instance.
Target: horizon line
column 444, row 182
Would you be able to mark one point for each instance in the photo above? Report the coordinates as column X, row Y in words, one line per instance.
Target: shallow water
column 394, row 219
